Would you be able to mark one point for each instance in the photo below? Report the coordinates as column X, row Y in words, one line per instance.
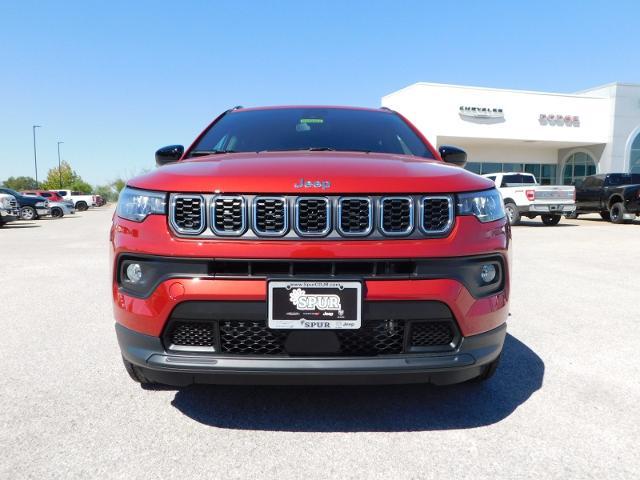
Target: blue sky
column 116, row 80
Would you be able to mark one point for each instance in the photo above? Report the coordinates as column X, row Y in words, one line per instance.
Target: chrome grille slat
column 228, row 215
column 312, row 216
column 396, row 215
column 187, row 214
column 436, row 214
column 270, row 216
column 355, row 216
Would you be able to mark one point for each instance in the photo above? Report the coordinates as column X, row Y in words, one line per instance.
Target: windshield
column 286, row 129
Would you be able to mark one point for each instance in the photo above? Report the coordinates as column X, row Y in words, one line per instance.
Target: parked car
column 346, row 251
column 81, row 201
column 615, row 196
column 100, row 201
column 49, row 195
column 525, row 197
column 60, row 209
column 9, row 209
column 31, row 207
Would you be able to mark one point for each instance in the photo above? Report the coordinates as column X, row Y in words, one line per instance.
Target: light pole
column 35, row 155
column 59, row 167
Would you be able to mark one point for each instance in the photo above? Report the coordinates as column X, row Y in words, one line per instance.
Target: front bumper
column 9, row 215
column 465, row 362
column 558, row 209
column 43, row 212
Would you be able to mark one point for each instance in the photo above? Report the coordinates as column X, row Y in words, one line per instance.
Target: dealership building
column 558, row 137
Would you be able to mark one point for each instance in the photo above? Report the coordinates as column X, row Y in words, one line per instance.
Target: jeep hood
column 280, row 172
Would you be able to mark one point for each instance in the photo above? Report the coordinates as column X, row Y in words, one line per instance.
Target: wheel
column 489, row 370
column 135, row 373
column 82, row 206
column 616, row 212
column 28, row 213
column 605, row 216
column 551, row 219
column 56, row 212
column 512, row 213
column 573, row 215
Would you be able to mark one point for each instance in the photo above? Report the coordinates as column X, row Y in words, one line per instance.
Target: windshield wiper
column 319, row 149
column 201, row 153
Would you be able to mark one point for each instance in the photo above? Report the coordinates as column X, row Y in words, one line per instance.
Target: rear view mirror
column 169, row 154
column 453, row 155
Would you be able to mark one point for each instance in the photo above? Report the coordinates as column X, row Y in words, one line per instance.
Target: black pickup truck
column 615, row 196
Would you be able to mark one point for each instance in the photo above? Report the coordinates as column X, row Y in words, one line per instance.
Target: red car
column 49, row 195
column 300, row 245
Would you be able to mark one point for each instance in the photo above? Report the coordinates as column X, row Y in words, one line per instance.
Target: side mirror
column 169, row 154
column 453, row 155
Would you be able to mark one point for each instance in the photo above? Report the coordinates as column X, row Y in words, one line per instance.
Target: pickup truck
column 310, row 245
column 81, row 201
column 31, row 207
column 615, row 196
column 9, row 209
column 524, row 197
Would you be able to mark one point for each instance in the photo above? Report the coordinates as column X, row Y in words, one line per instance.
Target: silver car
column 60, row 209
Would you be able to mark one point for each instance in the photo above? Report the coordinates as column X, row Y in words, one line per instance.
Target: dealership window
column 634, row 160
column 546, row 174
column 578, row 166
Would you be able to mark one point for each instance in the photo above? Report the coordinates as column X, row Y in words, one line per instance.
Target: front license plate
column 314, row 305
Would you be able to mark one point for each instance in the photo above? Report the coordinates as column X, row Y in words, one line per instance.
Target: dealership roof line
column 468, row 87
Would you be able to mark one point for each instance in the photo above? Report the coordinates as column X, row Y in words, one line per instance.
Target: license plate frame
column 314, row 304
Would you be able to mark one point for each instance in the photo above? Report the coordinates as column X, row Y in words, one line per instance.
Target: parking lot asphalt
column 565, row 402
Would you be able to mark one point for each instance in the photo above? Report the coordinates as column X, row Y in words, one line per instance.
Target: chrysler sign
column 481, row 112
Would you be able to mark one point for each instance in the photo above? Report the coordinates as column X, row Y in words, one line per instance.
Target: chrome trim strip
column 296, row 223
column 172, row 213
column 243, row 213
column 254, row 222
column 364, row 233
column 449, row 224
column 411, row 215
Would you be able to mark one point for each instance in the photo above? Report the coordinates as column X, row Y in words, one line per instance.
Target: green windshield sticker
column 311, row 120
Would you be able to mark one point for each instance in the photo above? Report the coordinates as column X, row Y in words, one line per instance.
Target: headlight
column 40, row 204
column 487, row 206
column 136, row 205
column 5, row 203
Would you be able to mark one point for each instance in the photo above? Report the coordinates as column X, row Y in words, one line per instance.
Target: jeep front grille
column 188, row 214
column 292, row 217
column 270, row 216
column 228, row 215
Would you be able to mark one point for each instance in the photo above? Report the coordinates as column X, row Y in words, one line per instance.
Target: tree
column 20, row 183
column 66, row 177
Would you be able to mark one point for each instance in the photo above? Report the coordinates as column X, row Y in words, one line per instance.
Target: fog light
column 488, row 273
column 134, row 272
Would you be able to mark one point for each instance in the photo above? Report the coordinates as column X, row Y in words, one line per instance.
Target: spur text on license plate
column 314, row 305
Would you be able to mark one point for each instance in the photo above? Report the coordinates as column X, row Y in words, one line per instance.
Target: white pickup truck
column 524, row 197
column 80, row 201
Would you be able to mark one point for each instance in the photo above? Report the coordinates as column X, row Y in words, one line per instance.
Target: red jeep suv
column 310, row 245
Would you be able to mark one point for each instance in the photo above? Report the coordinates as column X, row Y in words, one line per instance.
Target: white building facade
column 557, row 137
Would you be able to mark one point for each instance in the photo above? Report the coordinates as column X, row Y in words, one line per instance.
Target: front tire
column 28, row 213
column 135, row 373
column 82, row 206
column 513, row 215
column 551, row 219
column 616, row 212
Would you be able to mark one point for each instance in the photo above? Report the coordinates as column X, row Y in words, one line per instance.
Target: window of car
column 290, row 129
column 517, row 180
column 491, row 177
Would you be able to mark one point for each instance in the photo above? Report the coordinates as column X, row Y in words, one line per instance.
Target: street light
column 59, row 167
column 35, row 155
